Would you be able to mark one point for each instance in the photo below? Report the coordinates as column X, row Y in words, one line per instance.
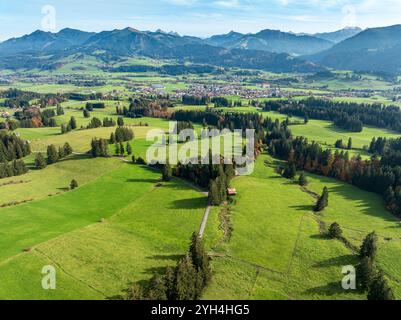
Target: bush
column 335, row 231
column 73, row 184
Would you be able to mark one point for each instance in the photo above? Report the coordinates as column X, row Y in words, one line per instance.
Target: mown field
column 118, row 229
column 278, row 249
column 122, row 225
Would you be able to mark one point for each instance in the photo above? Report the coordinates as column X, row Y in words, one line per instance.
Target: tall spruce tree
column 323, row 200
column 40, row 162
column 185, row 280
column 365, row 273
column 52, row 154
column 167, row 172
column 379, row 288
column 303, row 181
column 369, row 246
column 201, row 261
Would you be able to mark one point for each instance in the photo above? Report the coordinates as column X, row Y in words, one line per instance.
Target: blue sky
column 198, row 17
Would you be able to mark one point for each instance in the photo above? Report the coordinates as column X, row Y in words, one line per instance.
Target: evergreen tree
column 40, row 161
column 335, row 231
column 52, row 123
column 167, row 172
column 290, row 171
column 120, row 121
column 323, row 200
column 364, row 273
column 303, row 181
column 201, row 262
column 349, row 146
column 86, row 113
column 369, row 246
column 128, row 148
column 73, row 184
column 112, row 138
column 169, row 279
column 158, row 289
column 185, row 280
column 61, row 153
column 135, row 292
column 122, row 150
column 67, row 149
column 379, row 288
column 73, row 123
column 60, row 110
column 214, row 193
column 52, row 154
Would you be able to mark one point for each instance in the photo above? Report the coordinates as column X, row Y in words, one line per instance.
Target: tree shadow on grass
column 174, row 257
column 331, row 289
column 190, row 203
column 124, row 292
column 308, row 207
column 139, row 180
column 337, row 261
column 368, row 204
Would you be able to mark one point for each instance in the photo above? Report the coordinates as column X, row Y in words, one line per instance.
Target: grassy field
column 96, row 260
column 278, row 251
column 33, row 186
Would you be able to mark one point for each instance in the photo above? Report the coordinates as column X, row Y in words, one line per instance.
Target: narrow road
column 204, row 221
column 193, row 186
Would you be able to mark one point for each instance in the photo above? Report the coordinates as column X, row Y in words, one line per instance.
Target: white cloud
column 229, row 4
column 182, row 2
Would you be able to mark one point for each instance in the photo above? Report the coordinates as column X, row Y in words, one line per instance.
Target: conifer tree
column 128, row 148
column 185, row 280
column 323, row 200
column 369, row 246
column 112, row 138
column 120, row 121
column 135, row 292
column 158, row 289
column 52, row 154
column 335, row 231
column 214, row 193
column 73, row 123
column 117, row 149
column 167, row 172
column 303, row 181
column 40, row 161
column 349, row 146
column 200, row 260
column 379, row 288
column 67, row 149
column 290, row 171
column 365, row 273
column 73, row 184
column 60, row 110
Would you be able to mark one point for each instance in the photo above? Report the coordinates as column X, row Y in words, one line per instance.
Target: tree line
column 347, row 115
column 12, row 147
column 382, row 176
column 186, row 281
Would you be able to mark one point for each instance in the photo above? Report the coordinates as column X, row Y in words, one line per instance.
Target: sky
column 195, row 17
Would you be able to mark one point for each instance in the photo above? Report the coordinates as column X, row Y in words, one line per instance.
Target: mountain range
column 375, row 49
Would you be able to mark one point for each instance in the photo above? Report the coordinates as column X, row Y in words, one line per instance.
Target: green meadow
column 278, row 249
column 118, row 229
